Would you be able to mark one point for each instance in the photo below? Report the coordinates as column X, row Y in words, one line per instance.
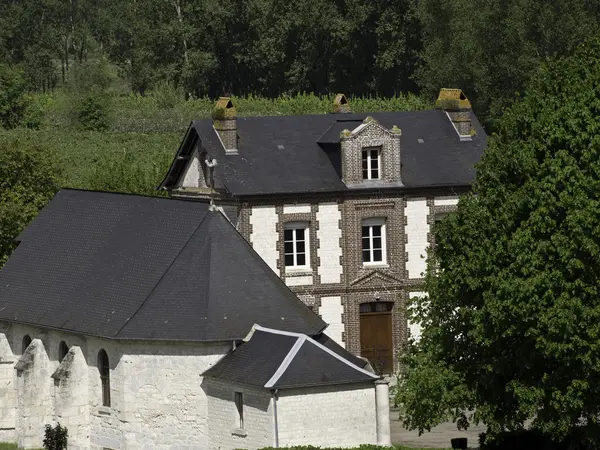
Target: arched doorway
column 376, row 342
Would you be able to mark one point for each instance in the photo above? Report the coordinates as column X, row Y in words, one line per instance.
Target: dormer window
column 371, row 163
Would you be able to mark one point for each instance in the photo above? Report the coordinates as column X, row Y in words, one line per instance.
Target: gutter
column 274, row 396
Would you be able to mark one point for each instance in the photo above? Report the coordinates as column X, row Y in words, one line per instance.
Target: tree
column 512, row 320
column 12, row 96
column 28, row 180
column 490, row 48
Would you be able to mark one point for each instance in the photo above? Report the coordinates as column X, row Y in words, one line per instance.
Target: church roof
column 275, row 359
column 132, row 267
column 300, row 154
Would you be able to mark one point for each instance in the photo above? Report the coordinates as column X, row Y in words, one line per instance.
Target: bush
column 12, row 96
column 92, row 114
column 55, row 438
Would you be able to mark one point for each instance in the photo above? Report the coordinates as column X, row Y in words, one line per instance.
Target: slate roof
column 132, row 267
column 288, row 154
column 274, row 359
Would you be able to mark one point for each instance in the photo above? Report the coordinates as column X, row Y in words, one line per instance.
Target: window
column 104, row 370
column 26, row 342
column 295, row 238
column 63, row 349
column 373, row 241
column 239, row 408
column 371, row 164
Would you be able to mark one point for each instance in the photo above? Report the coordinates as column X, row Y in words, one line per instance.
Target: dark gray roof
column 132, row 267
column 275, row 359
column 282, row 154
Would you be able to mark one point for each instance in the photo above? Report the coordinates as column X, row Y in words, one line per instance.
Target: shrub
column 12, row 96
column 55, row 438
column 92, row 114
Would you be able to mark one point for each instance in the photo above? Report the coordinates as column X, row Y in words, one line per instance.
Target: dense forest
column 269, row 48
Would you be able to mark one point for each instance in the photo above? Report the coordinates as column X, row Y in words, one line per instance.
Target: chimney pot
column 225, row 124
column 458, row 108
column 341, row 105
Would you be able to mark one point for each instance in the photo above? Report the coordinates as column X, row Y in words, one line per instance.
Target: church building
column 150, row 323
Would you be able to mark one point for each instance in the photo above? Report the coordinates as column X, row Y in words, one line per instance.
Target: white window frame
column 370, row 162
column 238, row 405
column 374, row 222
column 297, row 226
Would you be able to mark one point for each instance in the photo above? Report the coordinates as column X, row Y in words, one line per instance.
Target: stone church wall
column 327, row 416
column 258, row 425
column 155, row 390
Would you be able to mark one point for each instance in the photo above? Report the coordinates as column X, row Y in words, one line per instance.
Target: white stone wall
column 334, row 416
column 191, row 178
column 331, row 311
column 446, row 201
column 263, row 237
column 156, row 396
column 329, row 235
column 414, row 327
column 298, row 280
column 416, row 236
column 8, row 391
column 224, row 433
column 296, row 209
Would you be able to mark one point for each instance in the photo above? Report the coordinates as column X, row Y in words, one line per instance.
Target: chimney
column 340, row 104
column 458, row 108
column 225, row 124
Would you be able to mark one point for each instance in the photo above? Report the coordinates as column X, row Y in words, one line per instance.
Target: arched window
column 104, row 370
column 26, row 342
column 63, row 349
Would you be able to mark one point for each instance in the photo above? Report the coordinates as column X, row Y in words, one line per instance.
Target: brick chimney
column 340, row 104
column 458, row 108
column 225, row 124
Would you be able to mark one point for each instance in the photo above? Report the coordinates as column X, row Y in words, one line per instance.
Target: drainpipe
column 275, row 417
column 382, row 410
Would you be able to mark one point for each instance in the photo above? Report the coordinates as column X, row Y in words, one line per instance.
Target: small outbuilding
column 289, row 389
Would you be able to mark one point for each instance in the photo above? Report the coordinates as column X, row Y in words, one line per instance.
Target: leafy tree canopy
column 512, row 321
column 28, row 179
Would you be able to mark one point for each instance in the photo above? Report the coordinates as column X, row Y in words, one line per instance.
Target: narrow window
column 371, row 162
column 373, row 241
column 63, row 349
column 104, row 370
column 26, row 342
column 239, row 408
column 295, row 236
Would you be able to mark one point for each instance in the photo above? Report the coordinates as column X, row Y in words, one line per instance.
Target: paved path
column 439, row 437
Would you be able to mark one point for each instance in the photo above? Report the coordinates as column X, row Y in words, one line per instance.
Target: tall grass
column 167, row 111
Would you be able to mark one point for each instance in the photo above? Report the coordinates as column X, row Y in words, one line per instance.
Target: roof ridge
column 340, row 358
column 129, row 194
column 286, row 361
column 163, row 275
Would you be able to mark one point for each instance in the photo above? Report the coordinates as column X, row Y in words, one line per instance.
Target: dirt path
column 439, row 437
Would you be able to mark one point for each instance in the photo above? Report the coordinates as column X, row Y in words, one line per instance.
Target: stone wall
column 155, row 390
column 334, row 416
column 258, row 430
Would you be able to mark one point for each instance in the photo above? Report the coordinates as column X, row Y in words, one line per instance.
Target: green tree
column 490, row 48
column 12, row 96
column 512, row 320
column 29, row 178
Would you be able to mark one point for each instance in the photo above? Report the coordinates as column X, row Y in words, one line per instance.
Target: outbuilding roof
column 298, row 154
column 132, row 267
column 275, row 359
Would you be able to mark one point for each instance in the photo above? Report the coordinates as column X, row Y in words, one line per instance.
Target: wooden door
column 376, row 340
